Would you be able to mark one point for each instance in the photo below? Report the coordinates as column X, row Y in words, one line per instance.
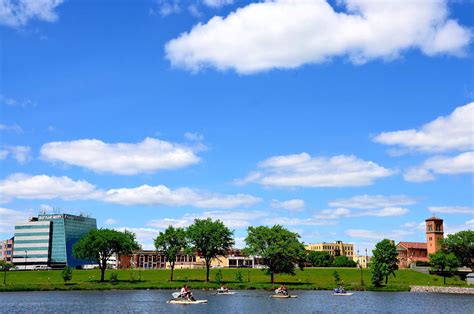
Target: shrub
column 67, row 274
column 113, row 277
column 238, row 276
column 219, row 276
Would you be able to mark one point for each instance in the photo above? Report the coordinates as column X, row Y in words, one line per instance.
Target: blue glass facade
column 66, row 231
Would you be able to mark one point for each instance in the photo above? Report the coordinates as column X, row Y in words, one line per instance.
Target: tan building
column 335, row 249
column 6, row 250
column 362, row 260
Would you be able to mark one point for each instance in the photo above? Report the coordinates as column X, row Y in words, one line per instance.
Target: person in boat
column 186, row 293
column 223, row 289
column 341, row 289
column 282, row 290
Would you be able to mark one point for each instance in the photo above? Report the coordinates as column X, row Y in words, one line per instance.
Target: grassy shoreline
column 309, row 279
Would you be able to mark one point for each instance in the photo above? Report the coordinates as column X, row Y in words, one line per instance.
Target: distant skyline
column 341, row 120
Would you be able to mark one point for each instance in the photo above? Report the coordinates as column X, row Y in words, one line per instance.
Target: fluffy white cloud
column 10, row 217
column 396, row 235
column 24, row 186
column 144, row 236
column 452, row 210
column 19, row 153
column 302, row 170
column 15, row 13
column 162, row 195
column 453, row 132
column 232, row 219
column 45, row 187
column 462, row 163
column 346, row 213
column 147, row 156
column 291, row 221
column 373, row 201
column 289, row 33
column 294, row 205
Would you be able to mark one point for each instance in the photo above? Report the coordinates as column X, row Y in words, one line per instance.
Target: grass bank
column 309, row 279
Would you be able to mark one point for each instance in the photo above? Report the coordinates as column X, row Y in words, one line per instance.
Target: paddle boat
column 179, row 299
column 342, row 292
column 282, row 293
column 223, row 290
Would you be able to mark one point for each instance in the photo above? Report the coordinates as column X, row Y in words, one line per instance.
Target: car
column 42, row 267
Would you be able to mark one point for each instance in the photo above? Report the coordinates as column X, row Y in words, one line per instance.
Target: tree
column 343, row 261
column 337, row 278
column 100, row 244
column 384, row 261
column 444, row 262
column 462, row 245
column 5, row 266
column 320, row 259
column 67, row 274
column 278, row 248
column 210, row 239
column 171, row 242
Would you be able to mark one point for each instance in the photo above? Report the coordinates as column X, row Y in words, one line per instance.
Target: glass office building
column 49, row 239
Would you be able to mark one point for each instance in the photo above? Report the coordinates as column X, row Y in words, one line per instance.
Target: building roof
column 434, row 218
column 413, row 245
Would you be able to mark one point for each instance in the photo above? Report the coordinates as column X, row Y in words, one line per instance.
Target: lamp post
column 26, row 258
column 360, row 266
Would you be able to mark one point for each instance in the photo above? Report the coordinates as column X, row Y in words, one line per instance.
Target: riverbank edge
column 111, row 287
column 441, row 289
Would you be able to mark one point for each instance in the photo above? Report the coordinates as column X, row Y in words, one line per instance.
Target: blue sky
column 348, row 120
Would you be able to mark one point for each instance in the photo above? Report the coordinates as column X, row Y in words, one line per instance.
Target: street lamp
column 26, row 258
column 360, row 266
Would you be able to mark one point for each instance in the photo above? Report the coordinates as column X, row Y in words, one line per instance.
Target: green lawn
column 310, row 278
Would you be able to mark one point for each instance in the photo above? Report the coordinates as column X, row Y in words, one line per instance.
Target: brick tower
column 434, row 234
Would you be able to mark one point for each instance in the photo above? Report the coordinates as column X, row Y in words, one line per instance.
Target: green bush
column 238, row 276
column 67, row 274
column 113, row 277
column 219, row 276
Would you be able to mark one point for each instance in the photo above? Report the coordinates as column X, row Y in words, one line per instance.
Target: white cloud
column 110, row 221
column 148, row 156
column 346, row 213
column 19, row 153
column 294, row 205
column 144, row 236
column 194, row 136
column 470, row 223
column 452, row 209
column 25, row 186
column 290, row 221
column 232, row 219
column 217, row 3
column 289, row 33
column 11, row 128
column 396, row 235
column 15, row 13
column 302, row 170
column 162, row 195
column 462, row 163
column 453, row 132
column 373, row 201
column 10, row 217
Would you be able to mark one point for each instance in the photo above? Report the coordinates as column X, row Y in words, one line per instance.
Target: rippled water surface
column 154, row 301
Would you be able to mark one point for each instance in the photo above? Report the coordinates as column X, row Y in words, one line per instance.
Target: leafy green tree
column 100, row 244
column 343, row 261
column 171, row 242
column 210, row 239
column 320, row 259
column 279, row 249
column 5, row 266
column 444, row 262
column 462, row 245
column 384, row 261
column 219, row 276
column 67, row 274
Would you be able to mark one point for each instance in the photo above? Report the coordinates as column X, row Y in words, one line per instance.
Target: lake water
column 154, row 301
